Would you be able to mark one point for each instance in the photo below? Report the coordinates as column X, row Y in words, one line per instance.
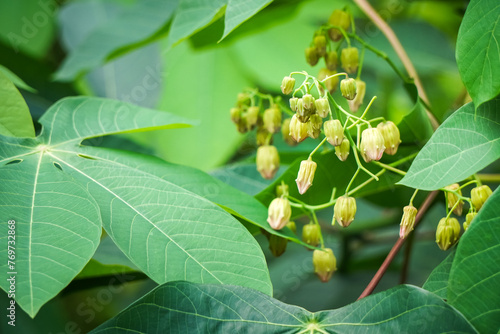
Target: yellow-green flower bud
column 372, row 144
column 350, row 59
column 324, row 263
column 263, row 137
column 392, row 139
column 344, row 210
column 340, row 19
column 322, row 107
column 268, row 161
column 468, row 219
column 279, row 213
column 334, row 132
column 243, row 99
column 331, row 83
column 348, row 88
column 287, row 85
column 272, row 119
column 331, row 60
column 309, row 103
column 305, row 176
column 342, row 151
column 277, row 244
column 360, row 95
column 320, row 45
column 285, row 132
column 479, row 195
column 311, row 56
column 236, row 114
column 453, row 199
column 447, row 233
column 407, row 221
column 310, row 234
column 242, row 124
column 293, row 103
column 303, row 113
column 298, row 130
column 252, row 117
column 282, row 190
column 291, row 225
column 314, row 126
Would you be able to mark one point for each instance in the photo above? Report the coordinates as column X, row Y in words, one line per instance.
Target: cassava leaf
column 60, row 197
column 182, row 307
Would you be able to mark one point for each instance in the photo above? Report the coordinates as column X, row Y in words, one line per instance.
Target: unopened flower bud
column 279, row 213
column 293, row 103
column 407, row 221
column 320, row 45
column 243, row 99
column 282, row 190
column 372, row 144
column 303, row 113
column 285, row 132
column 311, row 56
column 334, row 132
column 310, row 234
column 324, row 263
column 392, row 139
column 252, row 117
column 305, row 176
column 309, row 102
column 340, row 19
column 350, row 59
column 236, row 115
column 331, row 83
column 348, row 88
column 268, row 161
column 331, row 60
column 344, row 210
column 242, row 124
column 479, row 195
column 447, row 233
column 298, row 130
column 287, row 85
column 263, row 137
column 291, row 225
column 272, row 119
column 277, row 245
column 360, row 95
column 342, row 151
column 314, row 126
column 453, row 199
column 322, row 107
column 468, row 219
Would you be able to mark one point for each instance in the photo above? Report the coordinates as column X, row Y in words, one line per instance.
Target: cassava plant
column 345, row 151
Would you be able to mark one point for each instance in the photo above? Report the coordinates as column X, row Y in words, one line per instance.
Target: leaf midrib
column 139, row 213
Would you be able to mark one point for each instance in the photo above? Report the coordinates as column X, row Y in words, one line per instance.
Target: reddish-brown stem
column 383, row 268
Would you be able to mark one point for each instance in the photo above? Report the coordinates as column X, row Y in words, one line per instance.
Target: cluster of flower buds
column 375, row 141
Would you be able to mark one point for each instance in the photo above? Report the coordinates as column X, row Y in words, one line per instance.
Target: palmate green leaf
column 465, row 143
column 475, row 272
column 128, row 30
column 437, row 282
column 478, row 50
column 57, row 227
column 182, row 307
column 168, row 232
column 15, row 118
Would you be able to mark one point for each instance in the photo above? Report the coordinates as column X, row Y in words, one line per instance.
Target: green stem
column 367, row 181
column 413, row 196
column 493, row 178
column 392, row 169
column 350, row 182
column 315, row 219
column 317, row 147
column 364, row 114
column 361, row 60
